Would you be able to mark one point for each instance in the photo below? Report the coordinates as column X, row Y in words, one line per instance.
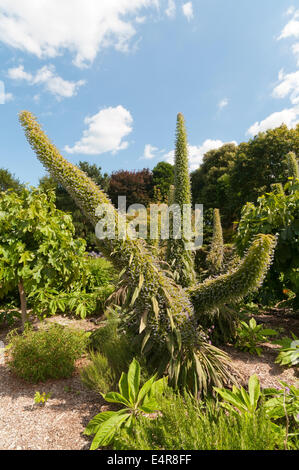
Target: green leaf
column 145, row 389
column 123, row 386
column 155, row 307
column 107, row 430
column 134, row 379
column 114, row 397
column 96, row 421
column 254, row 390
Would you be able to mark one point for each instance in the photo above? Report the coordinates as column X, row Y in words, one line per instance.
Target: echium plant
column 292, row 163
column 157, row 311
column 180, row 259
column 215, row 255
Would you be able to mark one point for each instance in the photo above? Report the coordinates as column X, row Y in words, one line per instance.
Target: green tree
column 83, row 227
column 211, row 184
column 37, row 248
column 8, row 181
column 163, row 178
column 261, row 162
column 275, row 213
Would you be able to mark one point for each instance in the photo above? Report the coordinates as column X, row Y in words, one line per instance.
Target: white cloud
column 196, row 153
column 47, row 28
column 223, row 103
column 18, row 73
column 295, row 50
column 47, row 76
column 188, row 10
column 4, row 97
column 149, row 152
column 290, row 10
column 289, row 86
column 171, row 9
column 290, row 117
column 292, row 27
column 105, row 133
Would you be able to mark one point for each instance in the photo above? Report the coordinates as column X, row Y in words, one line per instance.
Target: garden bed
column 61, row 422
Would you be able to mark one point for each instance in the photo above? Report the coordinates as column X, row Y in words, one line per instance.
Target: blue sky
column 107, row 78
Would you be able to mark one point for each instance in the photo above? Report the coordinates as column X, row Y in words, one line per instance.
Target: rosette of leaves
column 136, row 400
column 239, row 400
column 289, row 352
column 250, row 335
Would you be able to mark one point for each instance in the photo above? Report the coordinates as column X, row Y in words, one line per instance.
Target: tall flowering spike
column 293, row 166
column 182, row 194
column 232, row 287
column 179, row 258
column 170, row 198
column 215, row 256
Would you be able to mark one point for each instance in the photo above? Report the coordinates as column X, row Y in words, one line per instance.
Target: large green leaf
column 134, row 379
column 254, row 390
column 107, row 429
column 123, row 386
column 145, row 389
column 115, row 397
column 95, row 423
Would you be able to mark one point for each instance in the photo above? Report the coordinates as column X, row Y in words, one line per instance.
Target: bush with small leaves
column 48, row 353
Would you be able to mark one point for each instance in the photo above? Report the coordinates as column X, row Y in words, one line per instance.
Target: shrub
column 47, row 353
column 114, row 345
column 98, row 375
column 100, row 273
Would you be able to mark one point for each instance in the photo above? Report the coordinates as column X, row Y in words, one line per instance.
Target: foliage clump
column 187, row 424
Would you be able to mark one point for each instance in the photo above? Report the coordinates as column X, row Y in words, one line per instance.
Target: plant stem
column 23, row 303
column 287, row 421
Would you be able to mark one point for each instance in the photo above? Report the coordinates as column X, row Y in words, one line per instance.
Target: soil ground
column 61, row 422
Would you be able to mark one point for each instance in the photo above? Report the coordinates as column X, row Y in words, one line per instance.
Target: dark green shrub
column 47, row 353
column 100, row 273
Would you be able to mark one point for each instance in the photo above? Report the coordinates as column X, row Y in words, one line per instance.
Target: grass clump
column 98, row 375
column 48, row 353
column 112, row 351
